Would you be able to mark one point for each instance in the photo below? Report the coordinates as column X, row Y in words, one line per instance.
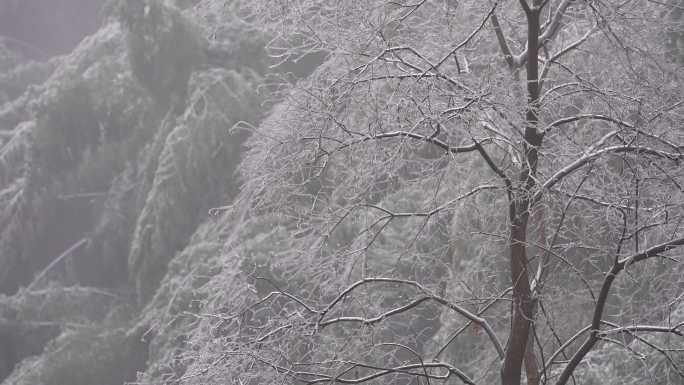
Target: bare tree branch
column 429, row 295
column 618, row 266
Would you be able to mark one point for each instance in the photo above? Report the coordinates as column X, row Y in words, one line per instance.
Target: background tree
column 99, row 193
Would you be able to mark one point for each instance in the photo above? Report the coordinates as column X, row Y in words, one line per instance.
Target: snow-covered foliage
column 100, row 188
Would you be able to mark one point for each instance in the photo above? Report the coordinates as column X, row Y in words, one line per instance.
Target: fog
column 48, row 27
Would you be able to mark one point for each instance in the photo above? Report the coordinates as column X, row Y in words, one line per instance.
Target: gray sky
column 51, row 26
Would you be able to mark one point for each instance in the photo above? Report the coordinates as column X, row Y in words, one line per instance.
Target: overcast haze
column 51, row 26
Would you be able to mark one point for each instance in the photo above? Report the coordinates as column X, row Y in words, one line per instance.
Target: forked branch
column 595, row 333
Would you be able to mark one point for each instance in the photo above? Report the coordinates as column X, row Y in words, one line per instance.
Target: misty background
column 44, row 28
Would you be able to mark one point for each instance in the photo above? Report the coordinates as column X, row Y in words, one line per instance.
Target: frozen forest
column 411, row 192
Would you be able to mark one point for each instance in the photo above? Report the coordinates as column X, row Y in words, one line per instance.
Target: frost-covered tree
column 471, row 191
